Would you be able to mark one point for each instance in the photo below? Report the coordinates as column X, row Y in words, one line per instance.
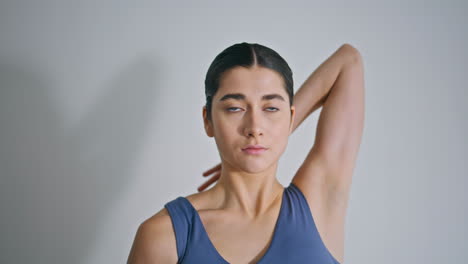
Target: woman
column 248, row 216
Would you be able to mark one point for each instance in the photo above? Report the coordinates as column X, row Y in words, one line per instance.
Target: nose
column 253, row 132
column 252, row 126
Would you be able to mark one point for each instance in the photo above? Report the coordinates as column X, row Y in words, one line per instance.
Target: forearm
column 313, row 93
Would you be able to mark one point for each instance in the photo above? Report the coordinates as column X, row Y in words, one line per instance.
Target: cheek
column 280, row 126
column 225, row 135
column 224, row 128
column 280, row 134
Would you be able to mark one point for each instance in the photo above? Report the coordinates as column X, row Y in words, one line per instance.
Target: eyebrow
column 239, row 96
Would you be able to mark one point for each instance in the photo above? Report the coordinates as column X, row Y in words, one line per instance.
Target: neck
column 252, row 194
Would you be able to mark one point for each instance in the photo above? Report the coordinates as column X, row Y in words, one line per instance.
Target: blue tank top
column 295, row 237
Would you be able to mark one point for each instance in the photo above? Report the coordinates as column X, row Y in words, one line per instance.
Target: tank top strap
column 303, row 218
column 297, row 208
column 181, row 216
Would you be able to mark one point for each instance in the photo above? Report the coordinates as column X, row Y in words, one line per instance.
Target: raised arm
column 337, row 85
column 325, row 175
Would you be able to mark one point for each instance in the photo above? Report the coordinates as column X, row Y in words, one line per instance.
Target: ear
column 207, row 123
column 293, row 116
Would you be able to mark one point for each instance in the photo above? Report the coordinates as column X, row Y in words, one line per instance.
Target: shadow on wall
column 57, row 182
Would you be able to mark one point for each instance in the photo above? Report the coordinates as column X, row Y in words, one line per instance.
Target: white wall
column 94, row 95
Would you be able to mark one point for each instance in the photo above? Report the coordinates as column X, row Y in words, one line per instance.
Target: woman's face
column 251, row 107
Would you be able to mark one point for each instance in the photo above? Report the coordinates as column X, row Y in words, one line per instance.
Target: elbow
column 354, row 54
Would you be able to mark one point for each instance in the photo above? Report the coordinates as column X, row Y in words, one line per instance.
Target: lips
column 254, row 147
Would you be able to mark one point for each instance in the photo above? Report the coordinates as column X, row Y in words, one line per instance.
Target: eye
column 274, row 109
column 231, row 108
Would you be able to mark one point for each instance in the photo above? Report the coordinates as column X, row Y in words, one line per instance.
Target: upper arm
column 154, row 241
column 329, row 165
column 340, row 126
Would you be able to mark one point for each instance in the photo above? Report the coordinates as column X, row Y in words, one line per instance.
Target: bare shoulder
column 154, row 241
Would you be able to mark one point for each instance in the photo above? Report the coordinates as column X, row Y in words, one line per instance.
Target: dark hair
column 245, row 55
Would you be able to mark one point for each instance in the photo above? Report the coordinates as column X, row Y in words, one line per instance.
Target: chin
column 254, row 167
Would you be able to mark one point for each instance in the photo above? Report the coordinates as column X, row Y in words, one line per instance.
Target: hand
column 217, row 173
